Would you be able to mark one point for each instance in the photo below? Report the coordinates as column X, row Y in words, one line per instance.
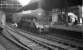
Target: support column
column 80, row 14
column 2, row 19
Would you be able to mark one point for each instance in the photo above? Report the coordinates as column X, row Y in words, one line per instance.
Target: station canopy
column 16, row 5
column 49, row 4
column 19, row 5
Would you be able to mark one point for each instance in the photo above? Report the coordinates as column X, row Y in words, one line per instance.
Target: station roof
column 45, row 4
column 49, row 4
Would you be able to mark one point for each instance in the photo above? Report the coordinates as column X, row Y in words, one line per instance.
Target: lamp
column 24, row 2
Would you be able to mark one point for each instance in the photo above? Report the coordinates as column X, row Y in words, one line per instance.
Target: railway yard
column 35, row 41
column 41, row 25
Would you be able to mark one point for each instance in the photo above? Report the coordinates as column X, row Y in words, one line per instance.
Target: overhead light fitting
column 24, row 2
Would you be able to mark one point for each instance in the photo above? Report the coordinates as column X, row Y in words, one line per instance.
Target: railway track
column 35, row 43
column 61, row 39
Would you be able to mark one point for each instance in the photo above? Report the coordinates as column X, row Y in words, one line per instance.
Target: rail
column 44, row 44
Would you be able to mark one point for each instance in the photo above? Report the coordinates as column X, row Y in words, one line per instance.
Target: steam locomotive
column 31, row 23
